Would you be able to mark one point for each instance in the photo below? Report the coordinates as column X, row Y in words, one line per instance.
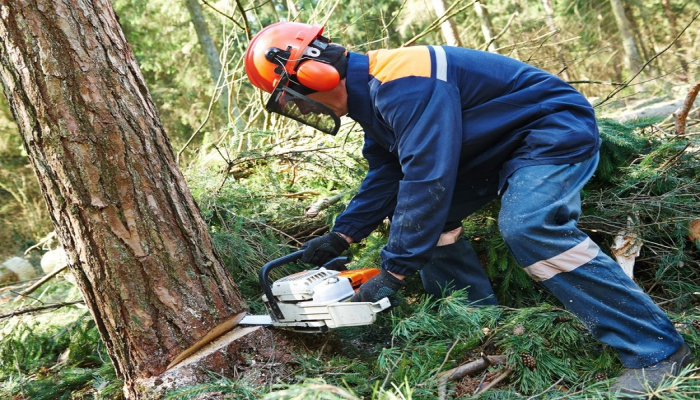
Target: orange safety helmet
column 283, row 47
column 283, row 60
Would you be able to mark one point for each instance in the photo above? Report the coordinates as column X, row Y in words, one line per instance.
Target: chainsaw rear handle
column 337, row 264
column 265, row 282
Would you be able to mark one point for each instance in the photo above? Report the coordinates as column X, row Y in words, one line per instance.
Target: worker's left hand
column 378, row 287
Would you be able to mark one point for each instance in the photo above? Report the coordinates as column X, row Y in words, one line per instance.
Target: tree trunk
column 549, row 13
column 632, row 59
column 486, row 26
column 449, row 29
column 140, row 250
column 671, row 17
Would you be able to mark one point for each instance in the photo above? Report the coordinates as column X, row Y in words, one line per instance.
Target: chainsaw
column 315, row 300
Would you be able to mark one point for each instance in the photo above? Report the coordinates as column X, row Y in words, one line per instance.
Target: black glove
column 378, row 287
column 323, row 249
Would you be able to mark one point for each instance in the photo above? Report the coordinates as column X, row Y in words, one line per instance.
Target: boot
column 455, row 267
column 640, row 381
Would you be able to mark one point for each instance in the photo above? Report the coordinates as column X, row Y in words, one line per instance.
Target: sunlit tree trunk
column 293, row 12
column 212, row 55
column 142, row 254
column 549, row 14
column 448, row 28
column 671, row 18
column 633, row 61
column 486, row 26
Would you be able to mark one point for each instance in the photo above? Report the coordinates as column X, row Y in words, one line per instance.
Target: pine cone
column 528, row 360
column 600, row 377
column 695, row 324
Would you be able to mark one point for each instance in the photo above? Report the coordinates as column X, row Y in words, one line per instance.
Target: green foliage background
column 253, row 174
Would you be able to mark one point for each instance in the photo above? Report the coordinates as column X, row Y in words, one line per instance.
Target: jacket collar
column 357, row 86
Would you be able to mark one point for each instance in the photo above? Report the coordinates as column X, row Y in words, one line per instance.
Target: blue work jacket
column 433, row 115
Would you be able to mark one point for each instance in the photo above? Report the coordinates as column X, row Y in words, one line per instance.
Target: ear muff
column 318, row 76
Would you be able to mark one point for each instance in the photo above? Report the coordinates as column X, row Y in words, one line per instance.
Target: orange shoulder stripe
column 387, row 65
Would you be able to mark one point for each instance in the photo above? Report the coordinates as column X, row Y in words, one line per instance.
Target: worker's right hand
column 379, row 286
column 324, row 248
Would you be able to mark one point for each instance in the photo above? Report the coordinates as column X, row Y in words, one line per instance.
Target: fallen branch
column 470, row 368
column 38, row 284
column 320, row 205
column 682, row 113
column 463, row 370
column 41, row 308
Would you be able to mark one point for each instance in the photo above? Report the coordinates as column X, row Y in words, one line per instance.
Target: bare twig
column 232, row 164
column 674, row 157
column 552, row 386
column 503, row 31
column 229, row 17
column 245, row 19
column 47, row 239
column 497, row 380
column 627, row 83
column 449, row 13
column 447, row 356
column 598, row 82
column 41, row 308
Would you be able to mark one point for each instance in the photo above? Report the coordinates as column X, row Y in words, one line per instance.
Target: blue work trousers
column 540, row 208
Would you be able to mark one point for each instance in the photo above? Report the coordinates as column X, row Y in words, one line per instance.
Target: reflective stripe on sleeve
column 564, row 262
column 440, row 63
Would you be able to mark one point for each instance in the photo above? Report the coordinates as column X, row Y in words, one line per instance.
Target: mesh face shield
column 294, row 105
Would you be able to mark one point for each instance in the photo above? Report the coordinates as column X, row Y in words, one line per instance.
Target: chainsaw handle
column 265, row 282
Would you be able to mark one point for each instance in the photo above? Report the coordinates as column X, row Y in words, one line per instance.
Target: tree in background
column 482, row 12
column 208, row 48
column 633, row 61
column 448, row 27
column 142, row 255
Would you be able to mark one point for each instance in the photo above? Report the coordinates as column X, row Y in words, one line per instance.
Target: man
column 447, row 130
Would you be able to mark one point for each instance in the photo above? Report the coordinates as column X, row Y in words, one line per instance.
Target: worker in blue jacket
column 447, row 130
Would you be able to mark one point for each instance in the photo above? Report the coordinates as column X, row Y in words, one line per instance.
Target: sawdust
column 263, row 356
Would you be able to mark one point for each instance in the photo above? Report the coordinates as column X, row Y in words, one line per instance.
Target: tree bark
column 137, row 244
column 633, row 61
